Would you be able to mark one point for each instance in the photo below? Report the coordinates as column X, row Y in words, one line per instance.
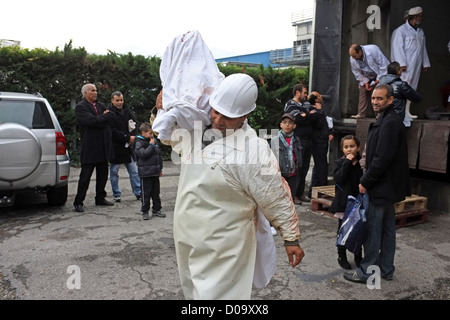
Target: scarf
column 283, row 137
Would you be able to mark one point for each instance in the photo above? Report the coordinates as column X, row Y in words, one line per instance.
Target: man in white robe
column 228, row 177
column 408, row 48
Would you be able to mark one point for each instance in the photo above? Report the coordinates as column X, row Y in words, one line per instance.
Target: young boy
column 290, row 152
column 150, row 164
column 402, row 91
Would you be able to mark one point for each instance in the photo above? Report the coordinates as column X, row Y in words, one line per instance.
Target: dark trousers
column 101, row 170
column 150, row 189
column 292, row 182
column 320, row 170
column 303, row 171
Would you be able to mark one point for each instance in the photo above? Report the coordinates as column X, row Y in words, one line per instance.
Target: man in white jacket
column 228, row 176
column 408, row 48
column 368, row 64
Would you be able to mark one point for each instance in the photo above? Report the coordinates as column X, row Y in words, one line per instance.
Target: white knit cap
column 415, row 10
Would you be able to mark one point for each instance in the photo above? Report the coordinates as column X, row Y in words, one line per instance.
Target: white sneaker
column 117, row 199
column 274, row 231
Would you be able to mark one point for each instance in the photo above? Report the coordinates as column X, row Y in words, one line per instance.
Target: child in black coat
column 150, row 164
column 347, row 173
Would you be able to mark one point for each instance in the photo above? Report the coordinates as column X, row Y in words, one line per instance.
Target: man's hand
column 362, row 189
column 159, row 104
column 294, row 251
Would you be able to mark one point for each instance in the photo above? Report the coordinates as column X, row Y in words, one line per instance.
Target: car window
column 31, row 114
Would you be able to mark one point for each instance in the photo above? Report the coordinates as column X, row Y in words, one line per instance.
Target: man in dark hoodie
column 402, row 91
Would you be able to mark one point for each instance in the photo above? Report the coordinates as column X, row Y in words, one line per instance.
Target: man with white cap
column 408, row 48
column 228, row 174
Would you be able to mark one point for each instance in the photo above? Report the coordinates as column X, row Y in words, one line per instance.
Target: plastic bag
column 353, row 231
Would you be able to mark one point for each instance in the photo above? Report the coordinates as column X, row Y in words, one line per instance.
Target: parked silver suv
column 33, row 154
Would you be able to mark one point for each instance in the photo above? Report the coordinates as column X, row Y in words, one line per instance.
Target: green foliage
column 59, row 75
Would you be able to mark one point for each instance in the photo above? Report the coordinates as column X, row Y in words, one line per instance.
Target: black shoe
column 138, row 197
column 353, row 277
column 145, row 216
column 304, row 198
column 159, row 214
column 78, row 207
column 103, row 202
column 344, row 263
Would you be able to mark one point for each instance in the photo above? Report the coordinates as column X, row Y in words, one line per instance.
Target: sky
column 231, row 27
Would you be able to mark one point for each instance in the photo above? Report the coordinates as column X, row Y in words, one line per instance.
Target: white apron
column 215, row 229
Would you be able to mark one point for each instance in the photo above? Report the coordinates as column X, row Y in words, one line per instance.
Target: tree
column 60, row 74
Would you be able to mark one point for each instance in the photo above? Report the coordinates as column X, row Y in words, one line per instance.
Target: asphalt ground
column 110, row 253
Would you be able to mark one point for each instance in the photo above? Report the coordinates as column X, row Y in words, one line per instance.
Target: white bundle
column 189, row 74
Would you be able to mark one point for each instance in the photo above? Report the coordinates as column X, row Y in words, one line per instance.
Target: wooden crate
column 411, row 211
column 323, row 192
column 410, row 218
column 412, row 203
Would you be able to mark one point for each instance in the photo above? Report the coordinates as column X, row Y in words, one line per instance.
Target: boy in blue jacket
column 150, row 164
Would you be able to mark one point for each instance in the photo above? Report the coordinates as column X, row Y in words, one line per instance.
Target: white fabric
column 374, row 59
column 408, row 48
column 414, row 11
column 219, row 191
column 189, row 74
column 266, row 254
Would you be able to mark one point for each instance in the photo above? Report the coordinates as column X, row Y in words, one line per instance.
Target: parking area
column 106, row 253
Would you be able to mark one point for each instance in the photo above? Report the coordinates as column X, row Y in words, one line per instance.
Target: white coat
column 408, row 48
column 374, row 61
column 220, row 189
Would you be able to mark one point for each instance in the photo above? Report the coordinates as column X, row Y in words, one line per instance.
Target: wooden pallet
column 411, row 211
column 410, row 218
column 412, row 203
column 323, row 192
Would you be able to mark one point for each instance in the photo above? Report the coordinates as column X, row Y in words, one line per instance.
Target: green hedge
column 59, row 75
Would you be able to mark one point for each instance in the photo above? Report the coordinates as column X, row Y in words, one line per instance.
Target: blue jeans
column 379, row 247
column 134, row 178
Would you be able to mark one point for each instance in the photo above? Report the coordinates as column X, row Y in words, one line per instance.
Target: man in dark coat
column 123, row 134
column 386, row 181
column 95, row 122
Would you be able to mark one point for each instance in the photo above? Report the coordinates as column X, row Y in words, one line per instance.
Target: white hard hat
column 235, row 96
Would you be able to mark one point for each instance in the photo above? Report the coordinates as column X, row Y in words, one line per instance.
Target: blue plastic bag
column 353, row 231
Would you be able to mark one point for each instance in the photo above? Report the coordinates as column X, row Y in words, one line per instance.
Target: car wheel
column 57, row 196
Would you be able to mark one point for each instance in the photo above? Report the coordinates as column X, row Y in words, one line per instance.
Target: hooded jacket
column 148, row 157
